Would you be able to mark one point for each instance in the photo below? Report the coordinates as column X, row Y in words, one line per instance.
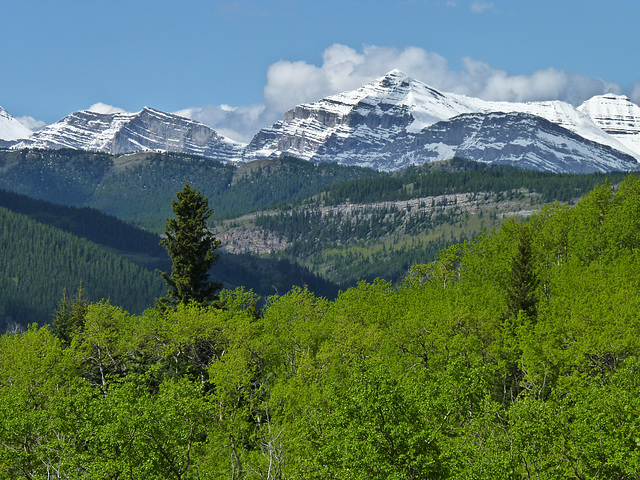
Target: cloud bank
column 290, row 83
column 31, row 123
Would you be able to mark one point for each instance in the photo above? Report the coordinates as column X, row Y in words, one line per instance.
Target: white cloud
column 480, row 7
column 104, row 108
column 343, row 68
column 238, row 123
column 31, row 123
column 479, row 79
column 634, row 93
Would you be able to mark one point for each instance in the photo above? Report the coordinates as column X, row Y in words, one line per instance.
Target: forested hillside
column 283, row 222
column 39, row 262
column 378, row 227
column 138, row 188
column 48, row 248
column 514, row 355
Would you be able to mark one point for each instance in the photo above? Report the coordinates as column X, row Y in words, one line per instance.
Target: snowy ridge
column 514, row 138
column 616, row 115
column 119, row 133
column 367, row 126
column 10, row 128
column 391, row 122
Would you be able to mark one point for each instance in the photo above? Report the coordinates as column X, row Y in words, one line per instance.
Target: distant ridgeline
column 139, row 187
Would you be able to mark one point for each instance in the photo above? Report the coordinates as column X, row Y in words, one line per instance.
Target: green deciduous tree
column 192, row 248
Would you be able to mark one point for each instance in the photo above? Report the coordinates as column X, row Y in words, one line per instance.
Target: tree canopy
column 515, row 355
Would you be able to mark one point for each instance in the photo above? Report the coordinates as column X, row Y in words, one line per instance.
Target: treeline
column 462, row 176
column 515, row 355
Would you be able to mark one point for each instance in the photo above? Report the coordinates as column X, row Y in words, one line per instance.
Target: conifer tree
column 69, row 318
column 192, row 249
column 522, row 281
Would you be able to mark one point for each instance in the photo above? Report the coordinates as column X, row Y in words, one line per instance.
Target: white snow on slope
column 10, row 128
column 305, row 128
column 616, row 115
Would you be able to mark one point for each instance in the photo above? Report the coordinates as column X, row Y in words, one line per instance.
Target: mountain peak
column 396, row 75
column 615, row 114
column 10, row 128
column 121, row 132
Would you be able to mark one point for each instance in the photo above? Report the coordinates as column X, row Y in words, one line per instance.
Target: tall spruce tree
column 522, row 281
column 192, row 249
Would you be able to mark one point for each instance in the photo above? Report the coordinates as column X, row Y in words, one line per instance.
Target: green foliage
column 514, row 355
column 192, row 249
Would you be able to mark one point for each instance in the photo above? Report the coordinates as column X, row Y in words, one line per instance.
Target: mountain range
column 390, row 123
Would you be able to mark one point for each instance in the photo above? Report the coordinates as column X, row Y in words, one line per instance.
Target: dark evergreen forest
column 48, row 249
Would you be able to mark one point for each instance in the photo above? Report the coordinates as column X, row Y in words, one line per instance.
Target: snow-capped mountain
column 10, row 128
column 392, row 122
column 370, row 117
column 378, row 124
column 118, row 133
column 616, row 115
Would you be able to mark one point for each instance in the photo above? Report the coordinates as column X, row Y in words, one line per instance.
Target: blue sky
column 238, row 65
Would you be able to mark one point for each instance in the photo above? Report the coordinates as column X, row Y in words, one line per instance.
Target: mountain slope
column 118, row 133
column 527, row 141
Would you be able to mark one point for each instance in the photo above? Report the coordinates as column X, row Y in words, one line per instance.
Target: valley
column 282, row 222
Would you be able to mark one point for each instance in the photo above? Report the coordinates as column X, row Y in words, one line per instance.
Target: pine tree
column 192, row 249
